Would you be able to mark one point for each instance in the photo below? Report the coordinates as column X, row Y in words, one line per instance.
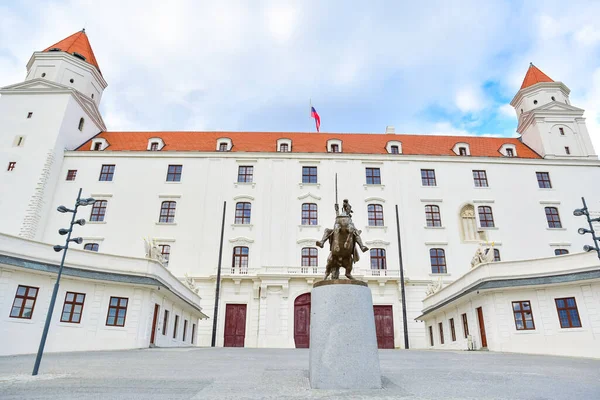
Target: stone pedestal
column 343, row 343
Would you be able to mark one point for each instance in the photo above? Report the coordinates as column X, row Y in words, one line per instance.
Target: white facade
column 46, row 145
column 100, row 277
column 496, row 287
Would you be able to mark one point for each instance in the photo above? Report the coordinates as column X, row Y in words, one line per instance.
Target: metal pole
column 589, row 220
column 38, row 358
column 402, row 290
column 216, row 311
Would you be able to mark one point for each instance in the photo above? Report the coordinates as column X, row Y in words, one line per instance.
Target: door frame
column 389, row 307
column 154, row 323
column 481, row 323
column 224, row 320
column 309, row 296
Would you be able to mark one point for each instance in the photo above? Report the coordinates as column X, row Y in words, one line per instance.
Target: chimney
column 390, row 130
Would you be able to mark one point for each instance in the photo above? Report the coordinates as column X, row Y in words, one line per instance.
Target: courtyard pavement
column 238, row 373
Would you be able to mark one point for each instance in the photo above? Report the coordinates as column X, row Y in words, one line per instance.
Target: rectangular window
column 184, row 329
column 167, row 212
column 165, row 322
column 394, row 149
column 98, row 211
column 91, row 246
column 486, row 218
column 510, row 153
column 71, row 174
column 567, row 150
column 175, row 327
column 73, row 307
column 284, row 148
column 452, row 330
column 11, row 165
column 309, row 214
column 193, row 333
column 432, row 216
column 30, row 114
column 552, row 217
column 97, row 146
column 465, row 323
column 117, row 311
column 428, row 177
column 375, row 214
column 245, row 174
column 437, row 258
column 562, row 131
column 174, row 173
column 378, row 259
column 431, row 335
column 373, row 176
column 568, row 315
column 441, row 332
column 543, row 179
column 497, row 255
column 223, row 146
column 480, row 178
column 243, row 211
column 560, row 252
column 24, row 302
column 462, row 151
column 335, row 148
column 153, row 146
column 310, row 257
column 523, row 315
column 165, row 252
column 240, row 260
column 106, row 173
column 309, row 174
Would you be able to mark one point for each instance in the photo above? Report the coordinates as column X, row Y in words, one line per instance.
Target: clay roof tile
column 77, row 43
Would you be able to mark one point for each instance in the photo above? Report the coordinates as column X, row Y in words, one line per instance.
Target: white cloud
column 506, row 110
column 470, row 99
column 281, row 22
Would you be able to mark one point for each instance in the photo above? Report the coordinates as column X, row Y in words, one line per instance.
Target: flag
column 314, row 114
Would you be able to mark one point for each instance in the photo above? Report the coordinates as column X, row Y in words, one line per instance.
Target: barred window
column 167, row 212
column 375, row 214
column 242, row 213
column 438, row 261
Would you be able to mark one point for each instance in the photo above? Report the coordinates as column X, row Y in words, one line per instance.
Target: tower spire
column 534, row 75
column 77, row 44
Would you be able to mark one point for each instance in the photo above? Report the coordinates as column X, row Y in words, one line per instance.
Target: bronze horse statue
column 343, row 239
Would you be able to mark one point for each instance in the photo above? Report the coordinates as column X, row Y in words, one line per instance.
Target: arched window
column 552, row 217
column 167, row 212
column 81, row 122
column 242, row 212
column 432, row 215
column 560, row 252
column 310, row 257
column 309, row 214
column 240, row 260
column 438, row 261
column 378, row 259
column 91, row 246
column 375, row 212
column 486, row 218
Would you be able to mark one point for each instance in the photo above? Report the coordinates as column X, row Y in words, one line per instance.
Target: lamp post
column 57, row 248
column 582, row 231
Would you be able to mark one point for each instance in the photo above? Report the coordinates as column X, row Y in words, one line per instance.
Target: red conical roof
column 77, row 43
column 533, row 76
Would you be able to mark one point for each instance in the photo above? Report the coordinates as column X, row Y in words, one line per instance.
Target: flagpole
column 309, row 113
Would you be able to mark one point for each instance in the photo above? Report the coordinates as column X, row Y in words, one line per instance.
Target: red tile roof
column 533, row 76
column 352, row 143
column 77, row 43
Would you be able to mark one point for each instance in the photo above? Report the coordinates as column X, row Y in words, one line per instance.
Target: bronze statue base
column 340, row 282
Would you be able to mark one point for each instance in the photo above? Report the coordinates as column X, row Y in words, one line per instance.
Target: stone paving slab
column 227, row 373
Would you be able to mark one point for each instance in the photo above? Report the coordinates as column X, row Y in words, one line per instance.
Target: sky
column 433, row 67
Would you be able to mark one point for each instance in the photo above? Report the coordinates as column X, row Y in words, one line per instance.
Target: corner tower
column 54, row 109
column 548, row 123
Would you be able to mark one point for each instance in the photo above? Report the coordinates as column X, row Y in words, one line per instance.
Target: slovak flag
column 314, row 114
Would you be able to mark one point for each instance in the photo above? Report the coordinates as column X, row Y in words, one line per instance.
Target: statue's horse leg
column 336, row 268
column 328, row 267
column 347, row 264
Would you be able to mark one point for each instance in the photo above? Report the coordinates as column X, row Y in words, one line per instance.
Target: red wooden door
column 154, row 320
column 481, row 327
column 235, row 325
column 302, row 321
column 384, row 326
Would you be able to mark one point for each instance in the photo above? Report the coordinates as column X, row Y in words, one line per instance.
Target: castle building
column 449, row 194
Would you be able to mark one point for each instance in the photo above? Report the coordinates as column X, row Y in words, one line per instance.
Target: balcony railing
column 295, row 271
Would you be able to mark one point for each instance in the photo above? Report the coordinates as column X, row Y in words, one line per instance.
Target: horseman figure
column 343, row 239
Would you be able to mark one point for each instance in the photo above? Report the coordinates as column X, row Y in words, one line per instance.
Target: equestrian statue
column 343, row 239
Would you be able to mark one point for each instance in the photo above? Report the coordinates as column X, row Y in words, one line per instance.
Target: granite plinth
column 343, row 344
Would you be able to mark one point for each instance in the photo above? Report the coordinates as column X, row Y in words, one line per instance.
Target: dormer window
column 224, row 144
column 394, row 147
column 99, row 144
column 461, row 149
column 155, row 144
column 55, row 49
column 334, row 146
column 81, row 57
column 510, row 153
column 508, row 150
column 284, row 145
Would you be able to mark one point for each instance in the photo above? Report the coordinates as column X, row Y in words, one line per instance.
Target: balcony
column 294, row 271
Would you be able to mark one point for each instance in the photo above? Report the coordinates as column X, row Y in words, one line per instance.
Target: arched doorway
column 302, row 321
